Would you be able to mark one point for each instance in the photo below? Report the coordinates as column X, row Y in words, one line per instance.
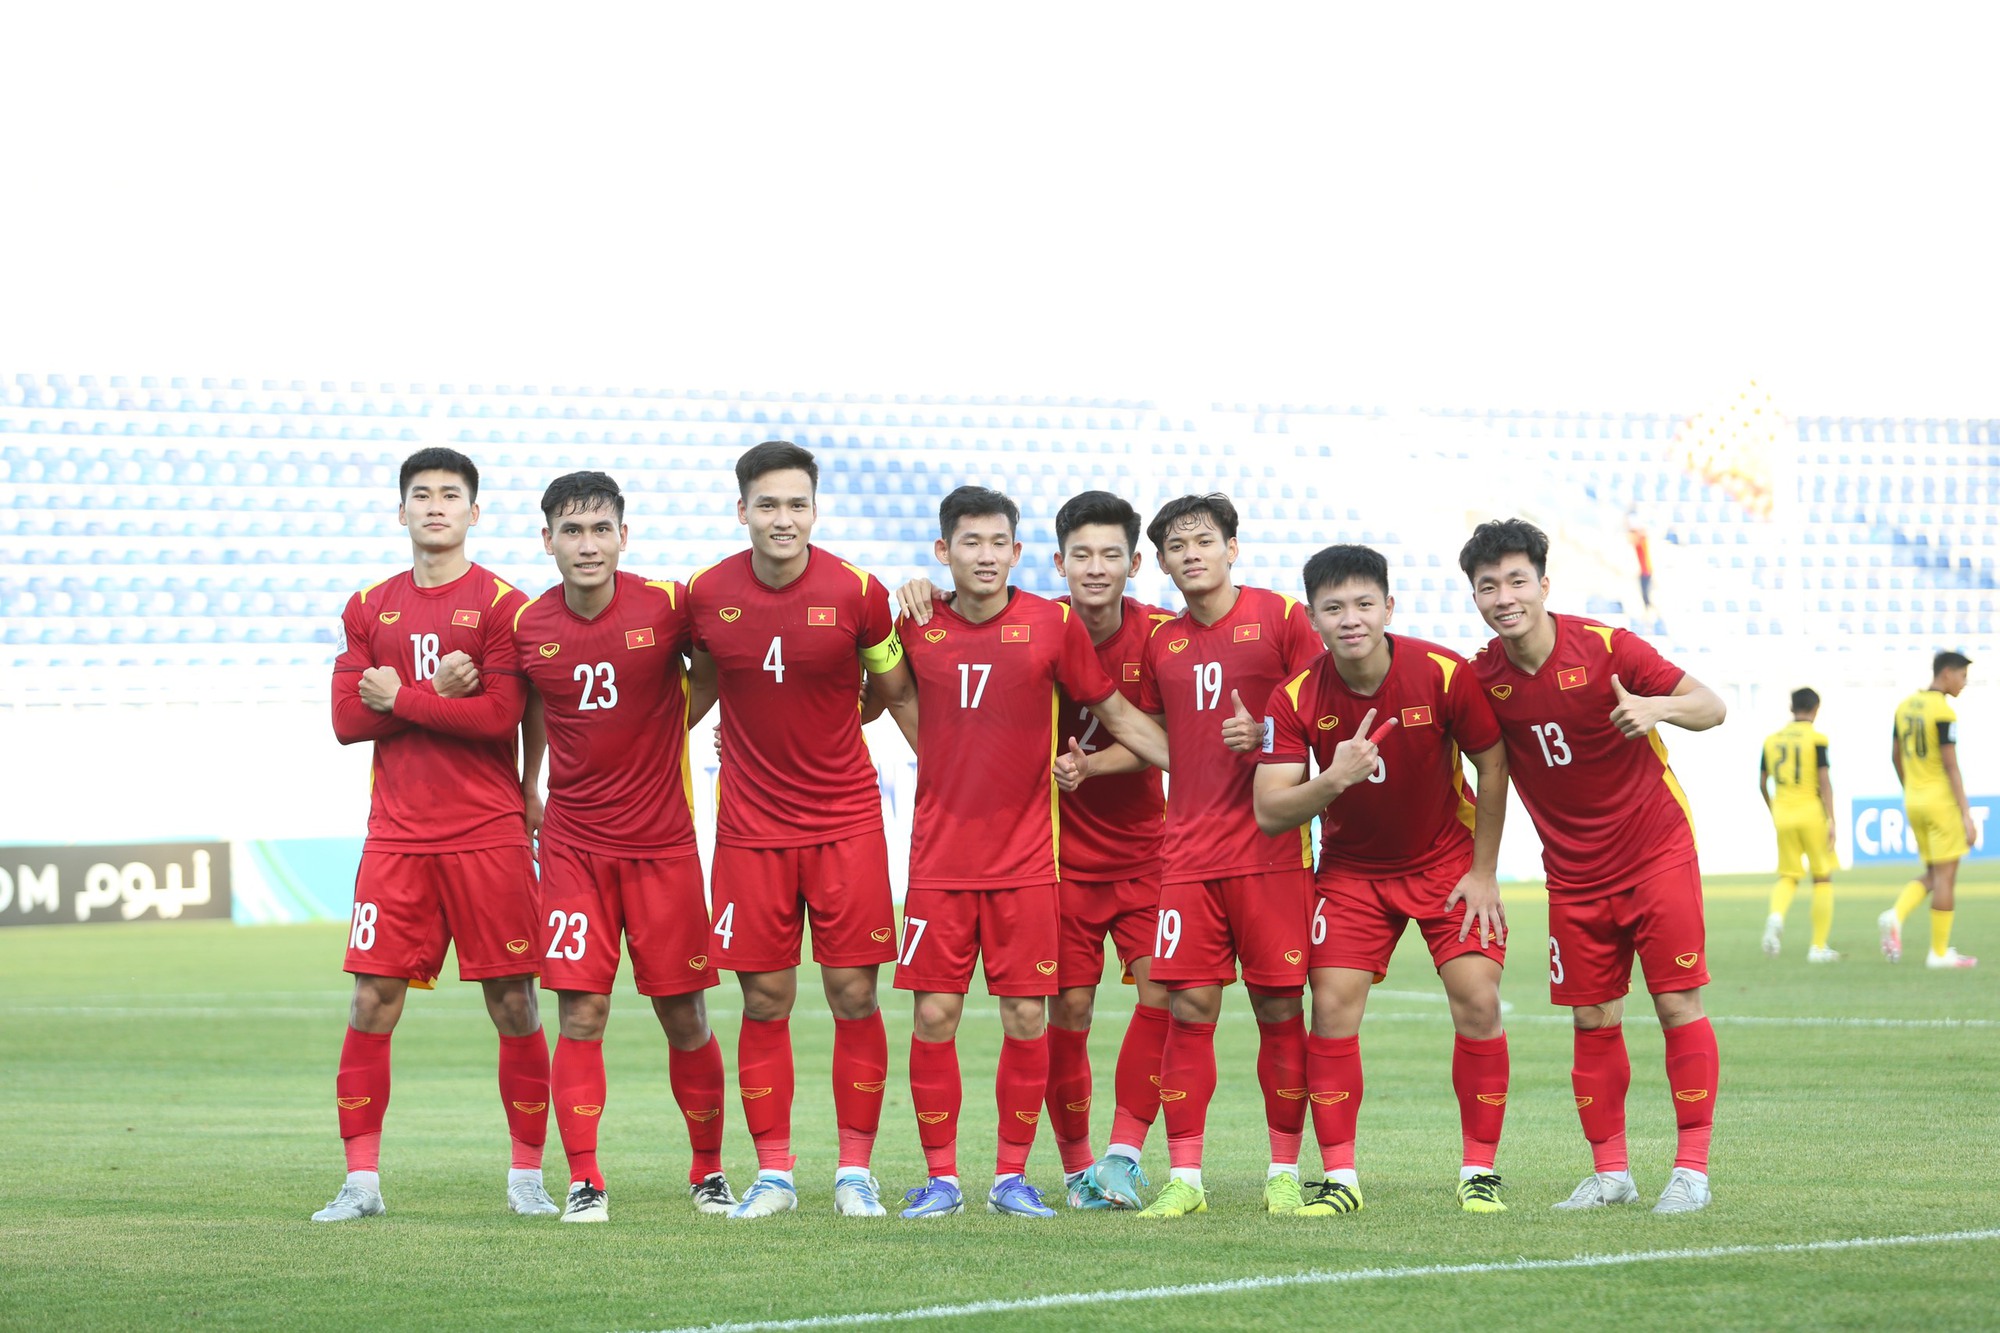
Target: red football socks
column 936, row 1095
column 1019, row 1084
column 1281, row 1073
column 860, row 1068
column 576, row 1086
column 524, row 1095
column 1187, row 1085
column 1479, row 1077
column 1693, row 1069
column 361, row 1094
column 1137, row 1080
column 698, row 1084
column 1333, row 1073
column 764, row 1073
column 1069, row 1096
column 1600, row 1077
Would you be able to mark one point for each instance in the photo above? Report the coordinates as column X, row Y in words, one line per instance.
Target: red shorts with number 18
column 409, row 907
column 590, row 898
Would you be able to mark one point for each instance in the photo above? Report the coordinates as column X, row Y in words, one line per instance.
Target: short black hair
column 580, row 492
column 437, row 458
column 975, row 502
column 1805, row 700
column 1214, row 506
column 1504, row 537
column 1097, row 507
column 1949, row 661
column 775, row 456
column 1335, row 565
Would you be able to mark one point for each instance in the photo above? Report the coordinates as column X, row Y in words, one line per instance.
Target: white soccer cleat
column 1949, row 958
column 587, row 1203
column 1599, row 1190
column 766, row 1197
column 528, row 1198
column 351, row 1204
column 1774, row 933
column 1892, row 935
column 1686, row 1192
column 1822, row 956
column 858, row 1196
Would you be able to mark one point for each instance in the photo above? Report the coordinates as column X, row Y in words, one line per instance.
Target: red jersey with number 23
column 1113, row 827
column 1187, row 673
column 987, row 703
column 1610, row 810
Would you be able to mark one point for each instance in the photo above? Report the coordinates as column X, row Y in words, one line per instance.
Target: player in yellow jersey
column 1797, row 788
column 1925, row 751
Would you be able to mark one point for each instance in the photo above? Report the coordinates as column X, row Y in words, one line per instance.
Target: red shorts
column 1207, row 925
column 588, row 898
column 1126, row 910
column 1591, row 943
column 1012, row 931
column 1358, row 922
column 409, row 906
column 762, row 896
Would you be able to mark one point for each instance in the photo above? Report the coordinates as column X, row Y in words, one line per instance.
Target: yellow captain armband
column 885, row 655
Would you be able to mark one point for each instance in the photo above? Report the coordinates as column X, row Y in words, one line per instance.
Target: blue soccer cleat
column 1015, row 1197
column 934, row 1198
column 1119, row 1179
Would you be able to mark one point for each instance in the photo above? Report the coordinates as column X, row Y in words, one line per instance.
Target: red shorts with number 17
column 1011, row 931
column 1659, row 918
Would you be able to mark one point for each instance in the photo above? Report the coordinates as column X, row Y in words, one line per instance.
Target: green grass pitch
column 166, row 1096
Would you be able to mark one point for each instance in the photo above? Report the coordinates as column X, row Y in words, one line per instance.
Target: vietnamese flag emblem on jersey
column 1013, row 633
column 1131, row 671
column 1247, row 634
column 1571, row 678
column 639, row 638
column 819, row 615
column 1417, row 717
column 469, row 619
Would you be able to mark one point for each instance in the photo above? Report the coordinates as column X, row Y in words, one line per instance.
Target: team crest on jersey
column 935, row 635
column 1178, row 645
column 1501, row 692
column 1131, row 671
column 1013, row 633
column 1417, row 717
column 1327, row 723
column 352, row 1103
column 820, row 616
column 1247, row 634
column 730, row 614
column 1572, row 678
column 702, row 1116
column 933, row 1117
column 880, row 936
column 1687, row 959
column 531, row 1108
column 1047, row 967
column 549, row 649
column 517, row 946
column 639, row 638
column 1690, row 1094
column 390, row 617
column 698, row 962
column 1492, row 1098
column 465, row 619
column 1329, row 1098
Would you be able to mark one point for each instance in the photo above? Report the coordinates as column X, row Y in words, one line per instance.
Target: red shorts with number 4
column 1011, row 931
column 1659, row 918
column 1126, row 910
column 590, row 898
column 1207, row 925
column 1357, row 922
column 407, row 908
column 763, row 895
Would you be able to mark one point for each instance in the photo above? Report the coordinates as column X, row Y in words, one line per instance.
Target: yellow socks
column 1940, row 932
column 1781, row 895
column 1906, row 901
column 1822, row 912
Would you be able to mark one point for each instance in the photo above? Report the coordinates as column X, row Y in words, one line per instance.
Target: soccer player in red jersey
column 983, row 853
column 604, row 655
column 1400, row 841
column 1578, row 704
column 783, row 633
column 447, row 859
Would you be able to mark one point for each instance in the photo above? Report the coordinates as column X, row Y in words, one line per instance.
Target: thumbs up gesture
column 1636, row 714
column 1072, row 768
column 1242, row 732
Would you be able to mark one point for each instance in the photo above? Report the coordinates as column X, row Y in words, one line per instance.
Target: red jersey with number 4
column 1187, row 672
column 795, row 770
column 1113, row 827
column 987, row 703
column 615, row 695
column 1415, row 813
column 1609, row 810
column 431, row 791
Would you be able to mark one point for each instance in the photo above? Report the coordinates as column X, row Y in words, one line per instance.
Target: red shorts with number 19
column 590, row 898
column 1591, row 942
column 1207, row 925
column 408, row 907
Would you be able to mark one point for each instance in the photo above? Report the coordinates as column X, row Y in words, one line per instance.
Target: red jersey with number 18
column 1113, row 826
column 615, row 695
column 1609, row 810
column 1187, row 673
column 987, row 702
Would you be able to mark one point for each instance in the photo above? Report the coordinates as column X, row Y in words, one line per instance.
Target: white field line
column 1323, row 1277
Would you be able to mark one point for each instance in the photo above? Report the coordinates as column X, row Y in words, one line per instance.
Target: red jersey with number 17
column 1187, row 672
column 987, row 703
column 795, row 770
column 1113, row 827
column 615, row 695
column 1609, row 810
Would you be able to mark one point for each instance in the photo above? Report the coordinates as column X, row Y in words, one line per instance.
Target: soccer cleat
column 1084, row 1194
column 587, row 1203
column 1822, row 956
column 1892, row 935
column 1686, row 1192
column 858, row 1196
column 1599, row 1190
column 933, row 1198
column 1178, row 1199
column 1328, row 1198
column 1481, row 1194
column 528, row 1198
column 1949, row 958
column 766, row 1197
column 712, row 1195
column 351, row 1204
column 1774, row 932
column 1281, row 1193
column 1119, row 1179
column 1015, row 1197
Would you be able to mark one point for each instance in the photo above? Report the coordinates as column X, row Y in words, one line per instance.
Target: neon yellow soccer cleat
column 1281, row 1194
column 1328, row 1198
column 1481, row 1194
column 1178, row 1199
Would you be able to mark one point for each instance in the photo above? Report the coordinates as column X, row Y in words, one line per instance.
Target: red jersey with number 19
column 987, row 706
column 1609, row 810
column 615, row 695
column 1113, row 826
